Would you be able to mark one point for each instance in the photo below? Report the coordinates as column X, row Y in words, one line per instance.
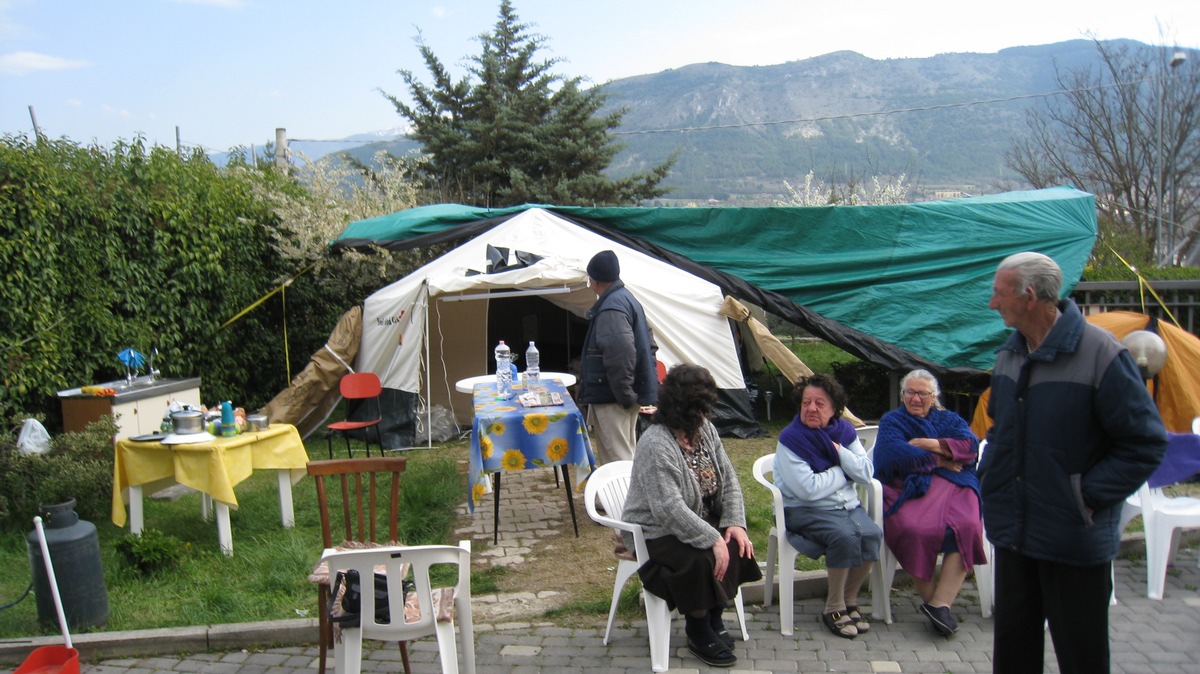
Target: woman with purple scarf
column 817, row 463
column 925, row 457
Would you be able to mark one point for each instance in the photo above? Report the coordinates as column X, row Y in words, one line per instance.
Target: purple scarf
column 814, row 446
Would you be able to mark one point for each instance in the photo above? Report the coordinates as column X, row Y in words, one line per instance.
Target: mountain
column 739, row 132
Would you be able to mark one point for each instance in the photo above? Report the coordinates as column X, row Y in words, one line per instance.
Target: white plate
column 188, row 439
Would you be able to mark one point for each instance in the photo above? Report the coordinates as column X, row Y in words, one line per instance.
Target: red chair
column 359, row 386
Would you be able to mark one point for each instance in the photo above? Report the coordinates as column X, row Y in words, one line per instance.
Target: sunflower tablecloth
column 507, row 436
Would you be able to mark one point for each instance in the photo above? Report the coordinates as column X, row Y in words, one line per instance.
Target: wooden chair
column 353, row 519
column 359, row 386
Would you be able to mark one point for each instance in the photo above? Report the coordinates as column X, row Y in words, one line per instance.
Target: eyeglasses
column 923, row 395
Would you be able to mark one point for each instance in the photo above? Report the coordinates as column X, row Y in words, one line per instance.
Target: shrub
column 78, row 465
column 150, row 552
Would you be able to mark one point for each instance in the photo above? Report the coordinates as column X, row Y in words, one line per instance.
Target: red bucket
column 50, row 660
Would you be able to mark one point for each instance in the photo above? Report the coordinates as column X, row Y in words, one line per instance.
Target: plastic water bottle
column 503, row 370
column 532, row 371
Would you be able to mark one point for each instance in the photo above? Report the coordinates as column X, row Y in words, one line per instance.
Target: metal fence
column 1180, row 298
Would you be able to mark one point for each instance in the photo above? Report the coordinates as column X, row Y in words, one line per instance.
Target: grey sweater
column 664, row 496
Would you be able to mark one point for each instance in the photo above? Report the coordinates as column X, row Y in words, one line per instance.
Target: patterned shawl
column 896, row 459
column 815, row 445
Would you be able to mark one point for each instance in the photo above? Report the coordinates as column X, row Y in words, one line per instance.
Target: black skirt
column 683, row 575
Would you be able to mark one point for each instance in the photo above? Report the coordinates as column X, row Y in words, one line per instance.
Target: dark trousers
column 1074, row 599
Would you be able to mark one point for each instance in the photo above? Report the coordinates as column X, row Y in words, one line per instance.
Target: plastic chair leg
column 741, row 614
column 347, row 656
column 883, row 603
column 625, row 570
column 447, row 649
column 787, row 587
column 658, row 622
column 769, row 576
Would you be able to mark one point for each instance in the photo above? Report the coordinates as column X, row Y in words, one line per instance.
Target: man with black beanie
column 618, row 373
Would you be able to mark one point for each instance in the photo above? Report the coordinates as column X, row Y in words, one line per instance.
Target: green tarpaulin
column 904, row 285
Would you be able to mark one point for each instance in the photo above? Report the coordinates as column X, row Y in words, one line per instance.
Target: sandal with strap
column 860, row 621
column 840, row 624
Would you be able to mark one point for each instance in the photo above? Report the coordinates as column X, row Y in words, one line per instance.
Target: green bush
column 150, row 552
column 78, row 466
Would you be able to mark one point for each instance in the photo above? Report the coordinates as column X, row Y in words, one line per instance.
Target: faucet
column 152, row 374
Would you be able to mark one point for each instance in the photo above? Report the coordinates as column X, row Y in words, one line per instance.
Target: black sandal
column 860, row 621
column 840, row 624
column 713, row 654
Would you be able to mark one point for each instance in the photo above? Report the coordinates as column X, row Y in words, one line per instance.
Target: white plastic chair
column 609, row 484
column 866, row 435
column 348, row 654
column 985, row 583
column 781, row 554
column 1164, row 516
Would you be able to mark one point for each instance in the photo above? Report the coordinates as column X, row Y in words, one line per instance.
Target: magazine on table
column 540, row 398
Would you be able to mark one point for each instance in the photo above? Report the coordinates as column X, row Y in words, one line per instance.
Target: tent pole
column 428, row 379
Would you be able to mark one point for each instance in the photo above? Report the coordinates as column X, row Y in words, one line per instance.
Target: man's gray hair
column 1037, row 271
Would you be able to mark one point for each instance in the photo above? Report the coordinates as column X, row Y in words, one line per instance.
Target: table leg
column 136, row 517
column 206, row 506
column 224, row 531
column 570, row 498
column 496, row 509
column 287, row 514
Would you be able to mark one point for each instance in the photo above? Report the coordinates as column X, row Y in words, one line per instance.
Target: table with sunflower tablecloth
column 507, row 436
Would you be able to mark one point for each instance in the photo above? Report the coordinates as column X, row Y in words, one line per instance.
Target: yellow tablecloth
column 213, row 468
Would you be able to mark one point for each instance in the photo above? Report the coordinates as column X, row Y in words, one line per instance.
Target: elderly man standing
column 618, row 373
column 1075, row 432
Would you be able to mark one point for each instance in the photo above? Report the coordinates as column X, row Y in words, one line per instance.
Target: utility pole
column 281, row 149
column 1164, row 254
column 1176, row 60
column 178, row 142
column 37, row 132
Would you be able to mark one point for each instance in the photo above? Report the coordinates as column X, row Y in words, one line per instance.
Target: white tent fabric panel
column 682, row 309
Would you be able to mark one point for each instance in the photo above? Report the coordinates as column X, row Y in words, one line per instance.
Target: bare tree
column 1101, row 134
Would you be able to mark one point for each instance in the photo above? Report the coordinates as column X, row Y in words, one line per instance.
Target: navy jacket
column 618, row 352
column 1074, row 430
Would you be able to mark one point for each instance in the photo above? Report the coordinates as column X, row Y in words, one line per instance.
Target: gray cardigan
column 664, row 496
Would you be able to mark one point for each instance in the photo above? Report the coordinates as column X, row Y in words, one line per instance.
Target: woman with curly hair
column 817, row 463
column 687, row 498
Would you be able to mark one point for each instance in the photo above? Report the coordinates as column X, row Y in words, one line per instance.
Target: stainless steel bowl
column 187, row 422
column 257, row 422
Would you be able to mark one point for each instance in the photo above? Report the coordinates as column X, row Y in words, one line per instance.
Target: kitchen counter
column 138, row 408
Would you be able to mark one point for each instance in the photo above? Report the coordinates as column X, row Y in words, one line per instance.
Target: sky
column 217, row 74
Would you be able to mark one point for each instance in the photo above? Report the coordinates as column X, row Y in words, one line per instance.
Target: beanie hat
column 604, row 267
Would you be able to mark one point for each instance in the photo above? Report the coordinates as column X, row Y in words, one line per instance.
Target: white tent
column 440, row 323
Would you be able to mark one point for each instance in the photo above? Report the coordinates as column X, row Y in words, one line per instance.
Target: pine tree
column 513, row 132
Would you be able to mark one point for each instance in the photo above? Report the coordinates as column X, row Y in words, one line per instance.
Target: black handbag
column 352, row 598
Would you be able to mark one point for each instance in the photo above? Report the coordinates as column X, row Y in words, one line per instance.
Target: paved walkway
column 1148, row 637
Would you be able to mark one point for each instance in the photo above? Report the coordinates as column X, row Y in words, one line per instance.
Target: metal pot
column 187, row 422
column 257, row 422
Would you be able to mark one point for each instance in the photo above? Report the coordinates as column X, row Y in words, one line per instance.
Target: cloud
column 25, row 62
